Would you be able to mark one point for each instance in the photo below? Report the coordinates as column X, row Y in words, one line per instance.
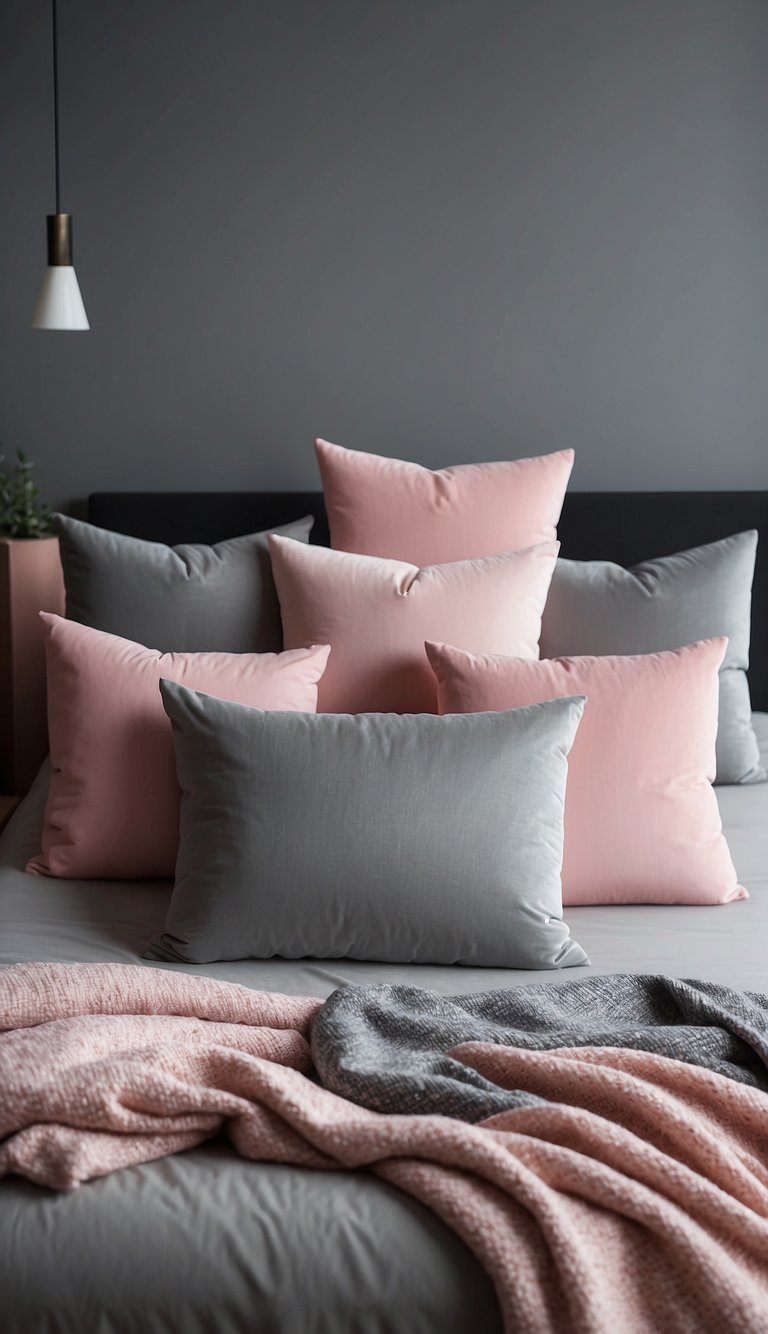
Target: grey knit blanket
column 384, row 1047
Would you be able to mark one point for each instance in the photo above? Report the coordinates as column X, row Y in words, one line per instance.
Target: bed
column 206, row 1242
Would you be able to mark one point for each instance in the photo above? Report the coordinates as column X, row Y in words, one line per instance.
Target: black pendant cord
column 56, row 158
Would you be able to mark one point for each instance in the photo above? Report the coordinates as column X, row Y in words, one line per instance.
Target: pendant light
column 59, row 304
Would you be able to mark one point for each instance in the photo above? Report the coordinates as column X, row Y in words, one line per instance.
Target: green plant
column 22, row 513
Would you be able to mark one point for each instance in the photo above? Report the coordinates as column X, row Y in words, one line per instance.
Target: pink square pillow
column 642, row 823
column 113, row 802
column 386, row 507
column 376, row 615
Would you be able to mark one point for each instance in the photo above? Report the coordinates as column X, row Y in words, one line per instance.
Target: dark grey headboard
column 623, row 526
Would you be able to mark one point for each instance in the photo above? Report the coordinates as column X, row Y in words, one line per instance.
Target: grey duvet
column 206, row 1242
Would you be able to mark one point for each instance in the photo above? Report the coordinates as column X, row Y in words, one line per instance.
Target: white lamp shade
column 59, row 304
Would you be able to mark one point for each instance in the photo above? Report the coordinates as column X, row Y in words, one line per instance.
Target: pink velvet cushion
column 376, row 615
column 113, row 803
column 386, row 507
column 642, row 823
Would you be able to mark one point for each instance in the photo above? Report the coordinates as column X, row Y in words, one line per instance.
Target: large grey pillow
column 369, row 836
column 185, row 599
column 595, row 607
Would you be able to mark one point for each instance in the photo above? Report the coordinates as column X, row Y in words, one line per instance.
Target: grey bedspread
column 387, row 1047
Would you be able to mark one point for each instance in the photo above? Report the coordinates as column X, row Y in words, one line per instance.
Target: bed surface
column 204, row 1242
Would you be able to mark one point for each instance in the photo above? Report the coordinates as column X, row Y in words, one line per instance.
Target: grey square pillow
column 185, row 599
column 369, row 836
column 597, row 608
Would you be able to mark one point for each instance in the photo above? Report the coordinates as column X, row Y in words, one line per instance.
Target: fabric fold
column 625, row 1191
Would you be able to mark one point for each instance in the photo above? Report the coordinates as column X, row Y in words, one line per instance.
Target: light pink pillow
column 641, row 819
column 386, row 507
column 113, row 802
column 376, row 614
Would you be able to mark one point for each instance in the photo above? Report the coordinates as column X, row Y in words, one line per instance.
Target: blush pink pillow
column 642, row 823
column 113, row 802
column 386, row 507
column 376, row 615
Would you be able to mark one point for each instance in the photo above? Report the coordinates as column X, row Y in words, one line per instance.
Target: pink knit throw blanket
column 635, row 1200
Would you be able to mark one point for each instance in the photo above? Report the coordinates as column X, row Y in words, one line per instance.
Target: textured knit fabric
column 631, row 1196
column 386, row 1047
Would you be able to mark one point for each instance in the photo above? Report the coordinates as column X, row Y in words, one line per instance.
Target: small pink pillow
column 386, row 507
column 642, row 823
column 376, row 614
column 113, row 802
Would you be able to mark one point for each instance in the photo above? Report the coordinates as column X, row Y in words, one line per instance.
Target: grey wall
column 444, row 229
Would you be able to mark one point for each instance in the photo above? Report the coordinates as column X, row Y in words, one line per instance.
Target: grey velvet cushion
column 595, row 607
column 369, row 836
column 185, row 599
